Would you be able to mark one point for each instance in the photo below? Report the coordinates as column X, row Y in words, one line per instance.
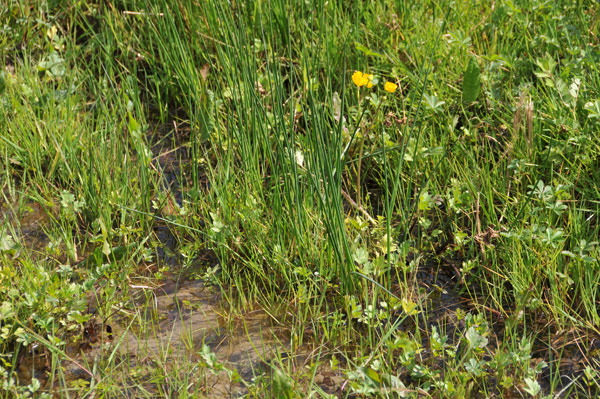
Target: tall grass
column 343, row 212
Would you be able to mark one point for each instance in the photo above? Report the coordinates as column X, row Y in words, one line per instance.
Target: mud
column 30, row 221
column 177, row 321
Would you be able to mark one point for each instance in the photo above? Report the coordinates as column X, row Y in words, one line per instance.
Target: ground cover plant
column 360, row 198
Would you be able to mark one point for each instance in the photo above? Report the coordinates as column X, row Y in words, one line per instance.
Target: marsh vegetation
column 289, row 199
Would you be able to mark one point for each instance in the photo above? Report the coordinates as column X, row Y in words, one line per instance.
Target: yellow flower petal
column 362, row 79
column 358, row 79
column 390, row 87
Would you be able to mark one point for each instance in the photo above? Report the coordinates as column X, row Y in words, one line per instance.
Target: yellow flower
column 357, row 78
column 362, row 79
column 389, row 86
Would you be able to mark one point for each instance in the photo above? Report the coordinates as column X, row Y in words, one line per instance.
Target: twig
column 159, row 14
column 358, row 207
column 56, row 349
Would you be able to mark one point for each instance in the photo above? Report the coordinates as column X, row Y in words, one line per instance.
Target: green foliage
column 328, row 203
column 471, row 83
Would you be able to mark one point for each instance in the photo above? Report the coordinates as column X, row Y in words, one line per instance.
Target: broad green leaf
column 470, row 86
column 372, row 374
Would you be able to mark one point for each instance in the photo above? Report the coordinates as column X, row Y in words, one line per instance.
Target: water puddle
column 30, row 221
column 576, row 348
column 176, row 328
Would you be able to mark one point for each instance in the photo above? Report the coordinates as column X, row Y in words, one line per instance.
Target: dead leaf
column 204, row 72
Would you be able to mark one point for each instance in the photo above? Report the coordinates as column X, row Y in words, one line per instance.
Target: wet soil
column 173, row 319
column 578, row 348
column 176, row 317
column 177, row 320
column 30, row 222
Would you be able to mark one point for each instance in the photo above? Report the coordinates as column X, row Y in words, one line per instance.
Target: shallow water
column 30, row 221
column 172, row 321
column 170, row 330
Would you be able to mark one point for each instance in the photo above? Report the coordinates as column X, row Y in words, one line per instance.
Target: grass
column 438, row 241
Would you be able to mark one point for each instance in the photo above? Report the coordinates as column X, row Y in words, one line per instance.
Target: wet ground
column 30, row 221
column 177, row 321
column 177, row 317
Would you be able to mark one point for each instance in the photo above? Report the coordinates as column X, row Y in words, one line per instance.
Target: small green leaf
column 134, row 127
column 6, row 242
column 106, row 248
column 433, row 102
column 363, row 49
column 360, row 256
column 474, row 367
column 409, row 307
column 475, row 339
column 533, row 387
column 470, row 85
column 373, row 375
